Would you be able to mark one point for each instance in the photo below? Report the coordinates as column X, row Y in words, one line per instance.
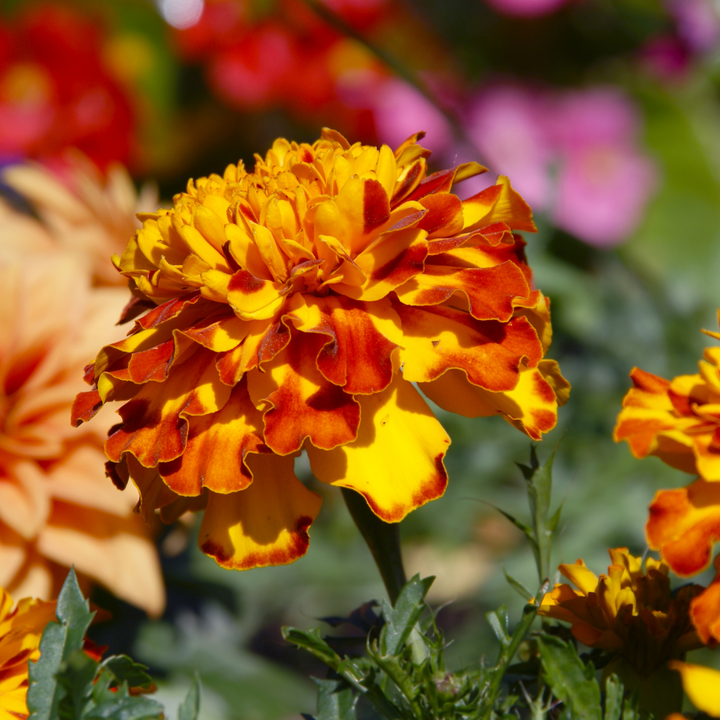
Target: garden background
column 606, row 116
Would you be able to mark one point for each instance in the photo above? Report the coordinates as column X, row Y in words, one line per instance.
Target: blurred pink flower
column 698, row 23
column 603, row 180
column 573, row 154
column 507, row 124
column 526, row 8
column 400, row 111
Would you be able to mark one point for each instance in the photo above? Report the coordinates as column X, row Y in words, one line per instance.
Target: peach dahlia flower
column 21, row 628
column 80, row 210
column 293, row 308
column 56, row 508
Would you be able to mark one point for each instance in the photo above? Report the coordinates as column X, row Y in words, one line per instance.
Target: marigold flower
column 293, row 308
column 21, row 628
column 702, row 686
column 628, row 610
column 678, row 420
column 56, row 508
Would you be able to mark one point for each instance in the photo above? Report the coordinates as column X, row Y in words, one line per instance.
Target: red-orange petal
column 154, row 426
column 438, row 338
column 299, row 402
column 705, row 611
column 265, row 524
column 362, row 338
column 684, row 524
column 216, row 450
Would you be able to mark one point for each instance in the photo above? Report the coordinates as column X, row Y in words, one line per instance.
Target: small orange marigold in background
column 679, row 422
column 21, row 628
column 293, row 308
column 630, row 611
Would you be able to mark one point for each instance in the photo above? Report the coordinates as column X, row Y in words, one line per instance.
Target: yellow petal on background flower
column 531, row 406
column 217, row 445
column 491, row 292
column 265, row 524
column 299, row 402
column 684, row 524
column 701, row 684
column 110, row 549
column 438, row 338
column 498, row 203
column 705, row 611
column 396, row 463
column 154, row 427
column 363, row 338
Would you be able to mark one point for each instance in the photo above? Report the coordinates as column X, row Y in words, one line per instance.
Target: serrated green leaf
column 118, row 704
column 125, row 669
column 190, row 707
column 613, row 698
column 401, row 619
column 499, row 622
column 76, row 676
column 566, row 675
column 314, row 644
column 336, row 700
column 518, row 586
column 58, row 642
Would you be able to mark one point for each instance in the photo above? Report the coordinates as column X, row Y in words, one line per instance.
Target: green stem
column 382, row 538
column 508, row 651
column 393, row 63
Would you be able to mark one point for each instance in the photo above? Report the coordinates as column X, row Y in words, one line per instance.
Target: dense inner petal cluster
column 294, row 308
column 630, row 610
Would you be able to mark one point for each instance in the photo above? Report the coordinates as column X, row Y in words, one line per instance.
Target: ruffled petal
column 362, row 337
column 705, row 611
column 684, row 524
column 531, row 406
column 298, row 402
column 217, row 445
column 438, row 338
column 154, row 427
column 396, row 463
column 265, row 524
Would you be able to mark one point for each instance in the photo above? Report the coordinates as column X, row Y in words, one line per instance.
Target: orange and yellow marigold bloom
column 21, row 628
column 630, row 610
column 679, row 421
column 294, row 307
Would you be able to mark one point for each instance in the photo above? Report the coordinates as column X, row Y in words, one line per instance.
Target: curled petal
column 363, row 339
column 265, row 524
column 440, row 337
column 216, row 450
column 396, row 463
column 531, row 406
column 299, row 402
column 491, row 292
column 684, row 524
column 498, row 203
column 154, row 427
column 705, row 611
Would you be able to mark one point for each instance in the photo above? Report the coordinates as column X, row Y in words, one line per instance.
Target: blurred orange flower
column 21, row 628
column 55, row 506
column 629, row 610
column 294, row 307
column 80, row 209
